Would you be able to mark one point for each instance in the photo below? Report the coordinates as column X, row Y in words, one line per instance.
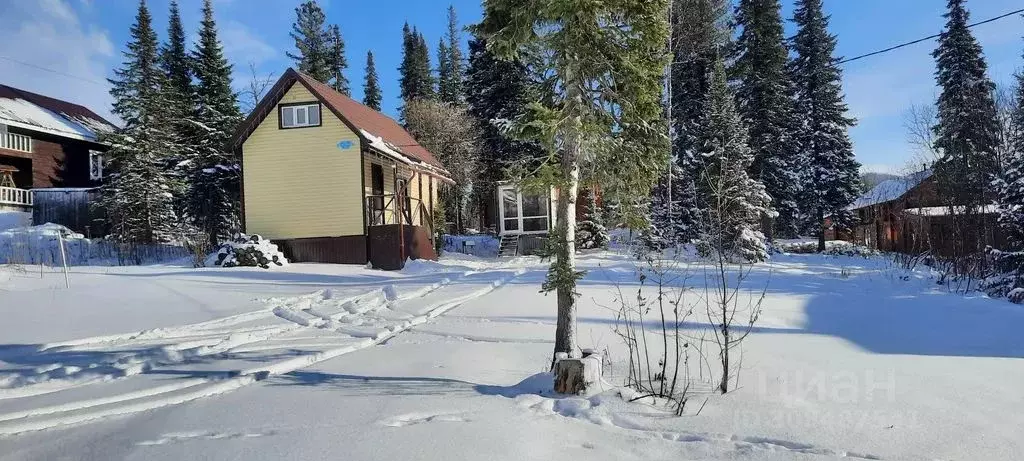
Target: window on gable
column 95, row 165
column 299, row 116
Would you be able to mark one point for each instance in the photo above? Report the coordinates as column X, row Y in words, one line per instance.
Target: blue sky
column 84, row 38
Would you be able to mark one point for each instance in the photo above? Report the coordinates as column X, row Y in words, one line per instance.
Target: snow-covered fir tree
column 313, row 42
column 415, row 80
column 674, row 211
column 336, row 61
column 1011, row 190
column 591, row 231
column 179, row 91
column 764, row 96
column 831, row 173
column 497, row 91
column 137, row 196
column 214, row 186
column 371, row 85
column 700, row 31
column 450, row 65
column 966, row 132
column 733, row 202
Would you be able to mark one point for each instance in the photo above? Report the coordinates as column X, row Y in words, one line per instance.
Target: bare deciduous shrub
column 650, row 321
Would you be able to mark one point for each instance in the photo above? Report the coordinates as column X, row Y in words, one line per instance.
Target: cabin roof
column 891, row 189
column 34, row 111
column 382, row 133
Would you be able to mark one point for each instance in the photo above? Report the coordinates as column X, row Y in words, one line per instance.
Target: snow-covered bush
column 1006, row 276
column 832, row 248
column 247, row 251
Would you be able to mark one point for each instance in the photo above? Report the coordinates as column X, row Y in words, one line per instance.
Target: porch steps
column 509, row 246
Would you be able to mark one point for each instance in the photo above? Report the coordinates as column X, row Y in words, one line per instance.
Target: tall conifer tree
column 764, row 96
column 831, row 174
column 415, row 79
column 1011, row 193
column 731, row 200
column 214, row 189
column 337, row 62
column 497, row 91
column 313, row 42
column 371, row 86
column 965, row 135
column 137, row 196
column 700, row 33
column 450, row 66
column 179, row 91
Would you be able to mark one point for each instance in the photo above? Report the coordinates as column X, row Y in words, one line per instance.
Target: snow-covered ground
column 852, row 358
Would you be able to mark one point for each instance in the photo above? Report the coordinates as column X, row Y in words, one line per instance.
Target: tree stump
column 576, row 376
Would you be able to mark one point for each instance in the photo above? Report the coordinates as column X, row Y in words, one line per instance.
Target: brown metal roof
column 58, row 106
column 357, row 116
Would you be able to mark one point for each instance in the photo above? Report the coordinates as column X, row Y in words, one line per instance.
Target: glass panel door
column 509, row 210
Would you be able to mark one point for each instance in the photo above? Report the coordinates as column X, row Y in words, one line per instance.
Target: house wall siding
column 298, row 182
column 54, row 161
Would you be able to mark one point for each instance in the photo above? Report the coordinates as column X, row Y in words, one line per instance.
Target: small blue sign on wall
column 345, row 145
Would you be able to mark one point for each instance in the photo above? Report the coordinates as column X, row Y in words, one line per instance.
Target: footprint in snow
column 419, row 418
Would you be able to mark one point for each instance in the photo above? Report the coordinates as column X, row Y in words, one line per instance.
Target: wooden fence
column 68, row 207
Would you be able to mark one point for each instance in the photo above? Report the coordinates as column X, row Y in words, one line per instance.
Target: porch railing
column 392, row 209
column 18, row 142
column 14, row 196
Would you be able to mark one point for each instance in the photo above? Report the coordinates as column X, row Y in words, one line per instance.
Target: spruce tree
column 313, row 42
column 591, row 232
column 450, row 69
column 497, row 91
column 137, row 197
column 443, row 70
column 597, row 98
column 965, row 135
column 1011, row 191
column 371, row 86
column 337, row 61
column 733, row 202
column 764, row 94
column 700, row 33
column 415, row 81
column 179, row 91
column 677, row 222
column 831, row 174
column 214, row 189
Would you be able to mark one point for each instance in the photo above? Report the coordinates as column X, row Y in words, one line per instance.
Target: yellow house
column 331, row 180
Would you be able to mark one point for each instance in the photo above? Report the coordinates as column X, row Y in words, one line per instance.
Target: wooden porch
column 399, row 227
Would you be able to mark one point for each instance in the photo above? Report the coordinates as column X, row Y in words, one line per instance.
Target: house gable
column 302, row 182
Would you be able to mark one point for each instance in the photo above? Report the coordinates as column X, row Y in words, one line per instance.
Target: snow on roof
column 41, row 113
column 890, row 189
column 386, row 148
column 945, row 211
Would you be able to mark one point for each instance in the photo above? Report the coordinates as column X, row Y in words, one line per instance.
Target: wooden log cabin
column 51, row 158
column 906, row 215
column 331, row 180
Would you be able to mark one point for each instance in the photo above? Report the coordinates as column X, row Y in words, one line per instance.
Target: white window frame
column 96, row 160
column 290, row 113
column 520, row 217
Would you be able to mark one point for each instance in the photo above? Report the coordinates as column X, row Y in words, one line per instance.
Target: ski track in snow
column 585, row 409
column 335, row 326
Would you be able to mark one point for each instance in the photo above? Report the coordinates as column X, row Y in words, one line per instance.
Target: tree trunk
column 821, row 233
column 565, row 331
